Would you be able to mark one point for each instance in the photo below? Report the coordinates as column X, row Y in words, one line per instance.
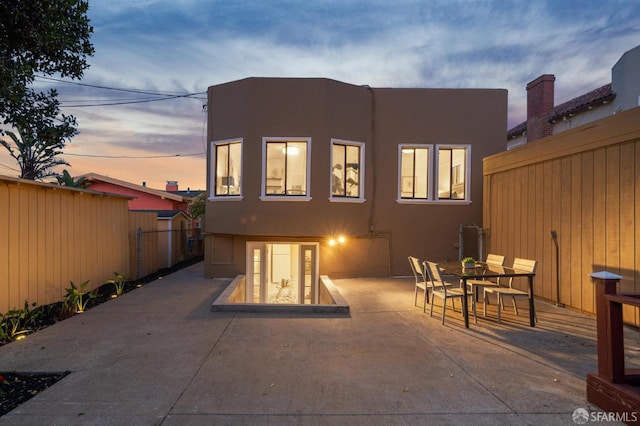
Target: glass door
column 282, row 273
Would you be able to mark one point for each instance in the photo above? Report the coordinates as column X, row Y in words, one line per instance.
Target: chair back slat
column 435, row 277
column 525, row 264
column 415, row 267
column 495, row 259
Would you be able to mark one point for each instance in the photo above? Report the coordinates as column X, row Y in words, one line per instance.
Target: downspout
column 169, row 243
column 372, row 210
column 554, row 237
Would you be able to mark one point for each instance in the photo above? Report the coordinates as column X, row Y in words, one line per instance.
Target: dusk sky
column 159, row 49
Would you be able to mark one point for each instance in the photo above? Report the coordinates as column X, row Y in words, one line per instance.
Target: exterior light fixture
column 337, row 240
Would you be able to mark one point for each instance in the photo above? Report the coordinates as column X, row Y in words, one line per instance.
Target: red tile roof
column 594, row 98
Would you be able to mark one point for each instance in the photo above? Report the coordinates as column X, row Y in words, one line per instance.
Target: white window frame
column 434, row 151
column 361, row 174
column 263, row 184
column 212, row 171
column 430, row 180
column 467, row 177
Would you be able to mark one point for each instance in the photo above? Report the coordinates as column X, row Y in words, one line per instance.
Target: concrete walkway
column 158, row 356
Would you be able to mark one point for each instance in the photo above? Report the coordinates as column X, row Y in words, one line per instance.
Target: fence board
column 51, row 235
column 590, row 196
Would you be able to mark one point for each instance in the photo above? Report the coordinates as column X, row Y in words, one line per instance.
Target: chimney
column 539, row 107
column 172, row 185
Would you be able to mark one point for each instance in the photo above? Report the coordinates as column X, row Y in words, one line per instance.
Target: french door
column 282, row 273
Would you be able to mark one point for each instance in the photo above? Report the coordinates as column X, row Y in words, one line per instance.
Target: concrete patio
column 159, row 356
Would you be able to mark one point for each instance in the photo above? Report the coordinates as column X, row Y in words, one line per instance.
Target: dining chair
column 421, row 283
column 443, row 289
column 521, row 264
column 476, row 285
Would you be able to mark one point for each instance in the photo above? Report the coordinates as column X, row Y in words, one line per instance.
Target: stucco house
column 311, row 176
column 544, row 118
column 143, row 197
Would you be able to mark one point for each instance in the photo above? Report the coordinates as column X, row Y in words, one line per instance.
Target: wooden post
column 610, row 339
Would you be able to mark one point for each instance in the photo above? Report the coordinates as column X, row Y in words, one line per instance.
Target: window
column 414, row 172
column 226, row 156
column 452, row 172
column 286, row 168
column 429, row 174
column 347, row 170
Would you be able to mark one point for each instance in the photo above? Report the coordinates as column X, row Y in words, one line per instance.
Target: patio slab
column 158, row 355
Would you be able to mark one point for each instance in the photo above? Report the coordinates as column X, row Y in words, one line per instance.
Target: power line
column 159, row 95
column 134, row 157
column 140, row 91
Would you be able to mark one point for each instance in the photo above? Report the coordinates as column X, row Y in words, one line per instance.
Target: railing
column 614, row 388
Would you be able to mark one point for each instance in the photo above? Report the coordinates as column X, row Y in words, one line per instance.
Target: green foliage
column 18, row 322
column 36, row 151
column 119, row 283
column 46, row 38
column 197, row 206
column 468, row 260
column 65, row 179
column 76, row 299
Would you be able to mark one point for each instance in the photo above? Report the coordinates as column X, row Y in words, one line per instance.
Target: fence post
column 139, row 252
column 610, row 345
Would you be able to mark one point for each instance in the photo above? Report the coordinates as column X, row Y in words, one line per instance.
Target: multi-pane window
column 414, row 172
column 346, row 169
column 227, row 161
column 429, row 173
column 452, row 173
column 286, row 167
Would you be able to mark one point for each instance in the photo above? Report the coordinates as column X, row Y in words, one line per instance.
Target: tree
column 67, row 180
column 197, row 206
column 47, row 37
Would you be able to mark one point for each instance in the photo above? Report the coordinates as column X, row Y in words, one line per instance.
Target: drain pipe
column 554, row 238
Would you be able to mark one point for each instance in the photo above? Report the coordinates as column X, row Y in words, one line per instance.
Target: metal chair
column 420, row 282
column 444, row 290
column 521, row 264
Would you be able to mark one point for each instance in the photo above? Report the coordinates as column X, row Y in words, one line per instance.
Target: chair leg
column 432, row 300
column 486, row 302
column 444, row 309
column 473, row 304
column 500, row 303
column 515, row 306
column 424, row 303
column 415, row 297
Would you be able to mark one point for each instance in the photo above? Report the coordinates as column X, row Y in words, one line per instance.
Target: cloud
column 184, row 46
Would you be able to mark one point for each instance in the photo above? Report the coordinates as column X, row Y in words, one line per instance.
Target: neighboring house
column 296, row 163
column 546, row 119
column 144, row 198
column 177, row 232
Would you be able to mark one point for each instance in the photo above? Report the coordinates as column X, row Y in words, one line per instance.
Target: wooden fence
column 51, row 235
column 583, row 187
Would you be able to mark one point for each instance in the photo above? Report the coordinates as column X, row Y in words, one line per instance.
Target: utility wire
column 140, row 91
column 160, row 95
column 133, row 156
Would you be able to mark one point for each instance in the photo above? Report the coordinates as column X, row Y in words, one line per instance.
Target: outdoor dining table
column 484, row 271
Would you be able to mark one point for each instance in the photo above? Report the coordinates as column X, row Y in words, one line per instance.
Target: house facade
column 544, row 118
column 143, row 197
column 315, row 176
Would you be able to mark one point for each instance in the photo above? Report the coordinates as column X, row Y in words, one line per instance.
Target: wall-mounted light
column 337, row 240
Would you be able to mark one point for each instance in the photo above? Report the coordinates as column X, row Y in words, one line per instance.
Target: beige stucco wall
column 381, row 232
